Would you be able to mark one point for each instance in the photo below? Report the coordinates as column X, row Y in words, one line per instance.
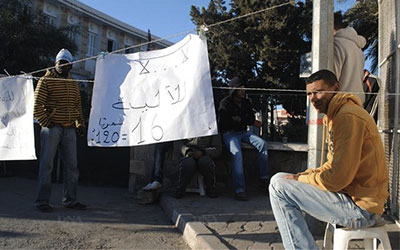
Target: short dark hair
column 338, row 20
column 326, row 75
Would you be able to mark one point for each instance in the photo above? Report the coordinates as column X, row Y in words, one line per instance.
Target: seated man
column 160, row 150
column 350, row 188
column 198, row 154
column 235, row 114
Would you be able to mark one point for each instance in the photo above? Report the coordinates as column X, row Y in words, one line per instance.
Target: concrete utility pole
column 322, row 58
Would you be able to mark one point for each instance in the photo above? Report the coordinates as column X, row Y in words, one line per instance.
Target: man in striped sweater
column 59, row 112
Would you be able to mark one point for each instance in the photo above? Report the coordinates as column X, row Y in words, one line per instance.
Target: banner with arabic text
column 16, row 119
column 153, row 96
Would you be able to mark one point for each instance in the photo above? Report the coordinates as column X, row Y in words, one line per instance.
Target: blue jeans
column 289, row 198
column 160, row 150
column 63, row 139
column 232, row 141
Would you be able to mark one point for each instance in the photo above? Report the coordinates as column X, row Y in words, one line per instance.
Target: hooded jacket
column 57, row 101
column 233, row 117
column 349, row 61
column 356, row 163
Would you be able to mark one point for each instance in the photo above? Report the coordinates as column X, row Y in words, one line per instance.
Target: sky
column 163, row 17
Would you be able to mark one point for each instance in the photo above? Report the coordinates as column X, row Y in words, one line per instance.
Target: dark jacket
column 371, row 86
column 233, row 117
column 210, row 145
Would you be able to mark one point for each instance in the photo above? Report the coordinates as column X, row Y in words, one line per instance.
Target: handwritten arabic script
column 16, row 119
column 153, row 96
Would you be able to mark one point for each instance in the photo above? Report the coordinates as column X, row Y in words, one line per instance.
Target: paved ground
column 113, row 221
column 225, row 223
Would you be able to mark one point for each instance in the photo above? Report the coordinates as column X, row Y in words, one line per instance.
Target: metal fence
column 278, row 124
column 389, row 68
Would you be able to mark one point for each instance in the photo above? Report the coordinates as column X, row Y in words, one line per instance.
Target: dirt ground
column 113, row 220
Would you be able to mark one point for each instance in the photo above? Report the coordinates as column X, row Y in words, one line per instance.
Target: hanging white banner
column 153, row 96
column 16, row 119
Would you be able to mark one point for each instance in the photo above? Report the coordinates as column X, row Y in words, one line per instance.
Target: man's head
column 63, row 60
column 338, row 21
column 321, row 87
column 236, row 83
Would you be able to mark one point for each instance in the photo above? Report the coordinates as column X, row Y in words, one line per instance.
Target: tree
column 263, row 49
column 27, row 42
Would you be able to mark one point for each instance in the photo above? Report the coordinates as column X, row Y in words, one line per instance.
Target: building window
column 128, row 42
column 129, row 50
column 112, row 45
column 92, row 42
column 50, row 14
column 71, row 35
column 49, row 20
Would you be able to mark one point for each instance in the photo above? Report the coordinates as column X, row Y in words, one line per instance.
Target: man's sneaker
column 44, row 207
column 152, row 186
column 241, row 196
column 147, row 186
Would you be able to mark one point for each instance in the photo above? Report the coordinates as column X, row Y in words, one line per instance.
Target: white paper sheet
column 153, row 96
column 16, row 119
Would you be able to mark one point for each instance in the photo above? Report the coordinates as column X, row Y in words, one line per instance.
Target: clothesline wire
column 161, row 39
column 184, row 33
column 301, row 91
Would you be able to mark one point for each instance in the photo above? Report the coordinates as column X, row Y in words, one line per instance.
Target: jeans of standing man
column 290, row 197
column 188, row 167
column 232, row 141
column 63, row 139
column 159, row 157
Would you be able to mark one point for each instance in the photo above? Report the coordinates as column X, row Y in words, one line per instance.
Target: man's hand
column 292, row 177
column 80, row 130
column 51, row 124
column 197, row 154
column 257, row 124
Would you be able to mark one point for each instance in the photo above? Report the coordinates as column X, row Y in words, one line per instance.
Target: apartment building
column 97, row 32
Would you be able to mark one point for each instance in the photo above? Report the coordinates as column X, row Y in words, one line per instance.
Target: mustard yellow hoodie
column 356, row 162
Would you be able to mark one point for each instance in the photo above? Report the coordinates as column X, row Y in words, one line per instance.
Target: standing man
column 348, row 57
column 350, row 188
column 235, row 114
column 59, row 112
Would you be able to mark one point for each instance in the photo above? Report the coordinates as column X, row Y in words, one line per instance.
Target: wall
column 291, row 158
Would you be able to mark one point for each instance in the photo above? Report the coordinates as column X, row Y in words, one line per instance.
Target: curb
column 195, row 233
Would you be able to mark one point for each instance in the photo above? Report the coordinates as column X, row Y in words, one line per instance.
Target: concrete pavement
column 224, row 223
column 113, row 220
